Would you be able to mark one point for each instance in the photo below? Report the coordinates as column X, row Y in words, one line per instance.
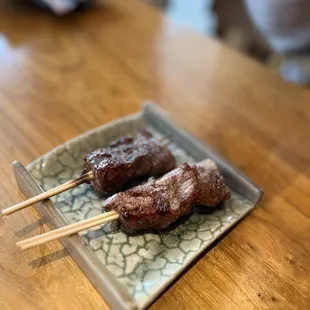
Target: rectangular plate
column 130, row 272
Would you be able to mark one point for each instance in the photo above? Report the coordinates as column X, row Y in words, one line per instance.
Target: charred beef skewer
column 125, row 160
column 154, row 205
column 158, row 203
column 109, row 169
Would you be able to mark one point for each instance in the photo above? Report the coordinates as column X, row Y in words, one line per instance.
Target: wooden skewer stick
column 52, row 192
column 67, row 230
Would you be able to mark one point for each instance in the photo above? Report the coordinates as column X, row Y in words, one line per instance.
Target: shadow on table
column 29, row 228
column 46, row 259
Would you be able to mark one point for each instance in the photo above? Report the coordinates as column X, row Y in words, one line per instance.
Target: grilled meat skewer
column 158, row 203
column 109, row 169
column 154, row 205
column 125, row 160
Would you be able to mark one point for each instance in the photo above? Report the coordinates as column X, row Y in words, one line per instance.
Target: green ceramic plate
column 144, row 265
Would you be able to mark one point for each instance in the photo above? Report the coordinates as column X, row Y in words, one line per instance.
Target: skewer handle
column 67, row 230
column 50, row 193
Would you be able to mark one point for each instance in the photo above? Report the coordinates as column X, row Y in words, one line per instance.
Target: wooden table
column 60, row 77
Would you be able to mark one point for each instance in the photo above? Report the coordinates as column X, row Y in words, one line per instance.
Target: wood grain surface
column 62, row 76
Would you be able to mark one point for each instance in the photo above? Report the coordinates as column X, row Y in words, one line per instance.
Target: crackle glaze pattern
column 143, row 263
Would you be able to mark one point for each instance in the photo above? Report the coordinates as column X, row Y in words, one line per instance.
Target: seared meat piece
column 127, row 159
column 158, row 203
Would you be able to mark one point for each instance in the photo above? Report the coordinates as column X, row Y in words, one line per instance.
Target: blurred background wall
column 274, row 32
